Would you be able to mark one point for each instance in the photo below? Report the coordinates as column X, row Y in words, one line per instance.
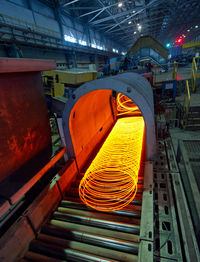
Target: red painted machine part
column 24, row 122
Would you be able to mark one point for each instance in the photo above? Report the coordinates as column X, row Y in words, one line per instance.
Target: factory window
column 93, row 45
column 100, row 47
column 82, row 42
column 70, row 39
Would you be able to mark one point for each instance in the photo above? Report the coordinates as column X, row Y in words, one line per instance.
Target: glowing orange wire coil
column 125, row 105
column 110, row 182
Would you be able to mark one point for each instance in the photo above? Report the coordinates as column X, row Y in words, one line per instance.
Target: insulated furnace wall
column 90, row 113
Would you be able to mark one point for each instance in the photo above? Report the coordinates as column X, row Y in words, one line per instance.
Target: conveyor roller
column 76, row 232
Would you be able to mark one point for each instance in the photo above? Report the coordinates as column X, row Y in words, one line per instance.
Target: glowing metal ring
column 110, row 183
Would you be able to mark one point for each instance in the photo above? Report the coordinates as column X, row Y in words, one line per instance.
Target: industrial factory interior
column 99, row 130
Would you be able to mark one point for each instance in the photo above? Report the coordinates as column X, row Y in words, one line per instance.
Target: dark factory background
column 100, row 130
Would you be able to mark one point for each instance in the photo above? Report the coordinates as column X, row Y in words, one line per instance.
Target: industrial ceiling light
column 120, row 4
column 188, row 30
column 196, row 26
column 129, row 22
column 139, row 28
column 133, row 11
column 135, row 33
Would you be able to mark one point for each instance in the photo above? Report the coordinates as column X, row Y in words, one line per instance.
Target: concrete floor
column 181, row 134
column 194, row 99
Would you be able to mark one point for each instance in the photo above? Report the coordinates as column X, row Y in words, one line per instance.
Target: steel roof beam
column 82, row 8
column 115, row 16
column 147, row 21
column 97, row 10
column 108, row 11
column 69, row 3
column 141, row 10
column 97, row 15
column 142, row 21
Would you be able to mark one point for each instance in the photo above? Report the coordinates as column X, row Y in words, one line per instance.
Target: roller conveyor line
column 76, row 232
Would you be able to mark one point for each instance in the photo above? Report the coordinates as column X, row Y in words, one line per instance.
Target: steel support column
column 57, row 12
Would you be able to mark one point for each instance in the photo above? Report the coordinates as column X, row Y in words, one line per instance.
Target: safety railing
column 30, row 27
column 186, row 105
column 194, row 72
column 172, row 67
column 175, row 71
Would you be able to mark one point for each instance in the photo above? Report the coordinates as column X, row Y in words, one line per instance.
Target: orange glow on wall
column 110, row 183
column 125, row 105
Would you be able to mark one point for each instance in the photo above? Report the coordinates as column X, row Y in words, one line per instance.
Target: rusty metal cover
column 24, row 122
column 11, row 65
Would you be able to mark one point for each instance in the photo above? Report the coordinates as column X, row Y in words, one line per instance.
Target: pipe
column 64, row 253
column 87, row 238
column 133, row 219
column 123, row 227
column 130, row 211
column 91, row 249
column 95, row 230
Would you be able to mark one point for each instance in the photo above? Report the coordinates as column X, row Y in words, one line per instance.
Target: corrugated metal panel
column 175, row 50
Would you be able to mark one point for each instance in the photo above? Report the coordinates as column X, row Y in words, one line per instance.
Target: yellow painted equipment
column 58, row 89
column 148, row 41
column 195, row 73
column 186, row 103
column 190, row 45
column 57, row 81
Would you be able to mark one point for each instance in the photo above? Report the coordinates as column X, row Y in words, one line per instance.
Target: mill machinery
column 112, row 192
